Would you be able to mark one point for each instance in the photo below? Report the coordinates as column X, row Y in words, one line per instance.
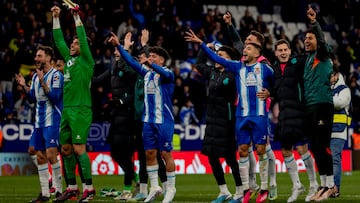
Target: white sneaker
column 311, row 194
column 273, row 193
column 138, row 197
column 326, row 194
column 169, row 196
column 237, row 198
column 126, row 195
column 222, row 197
column 295, row 193
column 154, row 192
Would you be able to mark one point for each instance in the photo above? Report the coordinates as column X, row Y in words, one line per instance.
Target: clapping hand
column 20, row 80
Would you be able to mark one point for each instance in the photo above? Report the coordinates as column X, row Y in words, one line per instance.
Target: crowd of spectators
column 27, row 23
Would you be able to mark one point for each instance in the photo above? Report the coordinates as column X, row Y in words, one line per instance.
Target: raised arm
column 125, row 55
column 163, row 71
column 190, row 36
column 234, row 35
column 81, row 34
column 58, row 35
column 144, row 41
column 201, row 63
column 323, row 51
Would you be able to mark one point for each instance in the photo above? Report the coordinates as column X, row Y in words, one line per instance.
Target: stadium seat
column 276, row 18
column 267, row 18
column 253, row 10
column 301, row 26
column 330, row 40
column 222, row 8
column 291, row 26
column 233, row 9
column 241, row 10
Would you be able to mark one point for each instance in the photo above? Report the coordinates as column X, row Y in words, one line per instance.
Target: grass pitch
column 190, row 188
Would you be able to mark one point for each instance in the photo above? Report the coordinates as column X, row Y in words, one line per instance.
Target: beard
column 40, row 65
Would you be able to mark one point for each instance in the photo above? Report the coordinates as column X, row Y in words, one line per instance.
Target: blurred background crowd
column 27, row 23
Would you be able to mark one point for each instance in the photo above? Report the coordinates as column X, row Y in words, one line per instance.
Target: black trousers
column 318, row 128
column 218, row 171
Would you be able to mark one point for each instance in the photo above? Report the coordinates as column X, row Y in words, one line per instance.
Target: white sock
column 74, row 187
column 43, row 172
column 292, row 169
column 330, row 181
column 252, row 168
column 56, row 177
column 164, row 186
column 323, row 180
column 310, row 168
column 272, row 166
column 34, row 159
column 224, row 189
column 153, row 175
column 264, row 173
column 144, row 188
column 170, row 183
column 88, row 187
column 239, row 191
column 244, row 171
column 83, row 185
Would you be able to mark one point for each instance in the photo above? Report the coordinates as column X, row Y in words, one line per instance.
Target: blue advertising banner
column 186, row 138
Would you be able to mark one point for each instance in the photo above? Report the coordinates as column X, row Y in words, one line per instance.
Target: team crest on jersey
column 150, row 88
column 70, row 63
column 251, row 79
column 257, row 70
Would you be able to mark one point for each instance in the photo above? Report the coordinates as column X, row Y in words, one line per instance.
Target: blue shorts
column 158, row 136
column 251, row 129
column 46, row 137
column 32, row 139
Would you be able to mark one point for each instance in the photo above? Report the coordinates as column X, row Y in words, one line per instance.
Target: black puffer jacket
column 122, row 79
column 219, row 137
column 289, row 93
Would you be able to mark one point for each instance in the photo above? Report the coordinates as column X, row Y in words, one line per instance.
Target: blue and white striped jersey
column 250, row 79
column 48, row 106
column 158, row 97
column 159, row 85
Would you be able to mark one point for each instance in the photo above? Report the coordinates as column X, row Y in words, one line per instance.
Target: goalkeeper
column 77, row 115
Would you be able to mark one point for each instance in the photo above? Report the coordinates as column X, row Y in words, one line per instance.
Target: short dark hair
column 159, row 51
column 281, row 41
column 259, row 36
column 233, row 53
column 48, row 51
